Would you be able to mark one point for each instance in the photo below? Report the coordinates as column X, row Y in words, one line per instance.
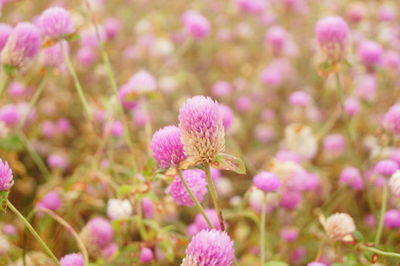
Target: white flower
column 339, row 225
column 118, row 209
column 300, row 140
column 394, row 183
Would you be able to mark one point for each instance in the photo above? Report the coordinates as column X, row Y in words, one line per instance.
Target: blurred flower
column 97, row 235
column 351, row 176
column 73, row 259
column 227, row 116
column 391, row 120
column 394, row 183
column 146, row 255
column 267, row 182
column 119, row 209
column 200, row 223
column 5, row 31
column 51, row 201
column 339, row 225
column 56, row 22
column 195, row 24
column 370, row 53
column 300, row 140
column 392, row 219
column 386, row 167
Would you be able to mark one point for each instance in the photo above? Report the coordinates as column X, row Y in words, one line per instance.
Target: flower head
column 56, row 22
column 97, row 235
column 196, row 24
column 73, row 259
column 195, row 179
column 339, row 225
column 51, row 201
column 146, row 255
column 22, row 45
column 386, row 167
column 267, row 181
column 332, row 36
column 167, row 147
column 6, row 176
column 209, row 247
column 391, row 120
column 118, row 209
column 370, row 53
column 203, row 134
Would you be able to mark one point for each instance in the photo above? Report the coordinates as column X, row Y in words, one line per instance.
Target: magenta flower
column 391, row 120
column 370, row 54
column 267, row 181
column 146, row 255
column 6, row 176
column 97, row 235
column 200, row 223
column 55, row 22
column 51, row 201
column 392, row 219
column 332, row 35
column 167, row 147
column 351, row 176
column 53, row 56
column 73, row 259
column 195, row 24
column 227, row 116
column 386, row 167
column 203, row 134
column 22, row 46
column 209, row 247
column 196, row 181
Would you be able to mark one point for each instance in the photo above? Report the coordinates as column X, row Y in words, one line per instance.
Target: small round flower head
column 196, row 181
column 243, row 104
column 5, row 31
column 351, row 176
column 51, row 201
column 339, row 225
column 290, row 199
column 109, row 251
column 146, row 255
column 203, row 134
column 167, row 147
column 86, row 55
column 289, row 234
column 332, row 36
column 200, row 223
column 276, row 38
column 392, row 219
column 352, row 106
column 148, row 208
column 334, row 144
column 9, row 229
column 251, row 6
column 394, row 183
column 56, row 22
column 267, row 181
column 6, row 176
column 370, row 53
column 227, row 116
column 114, row 128
column 315, row 263
column 143, row 82
column 391, row 120
column 387, row 13
column 112, row 27
column 22, row 46
column 300, row 140
column 386, row 167
column 221, row 89
column 366, row 87
column 97, row 234
column 195, row 24
column 57, row 161
column 356, row 12
column 53, row 56
column 118, row 209
column 209, row 247
column 300, row 98
column 73, row 259
column 272, row 76
column 9, row 115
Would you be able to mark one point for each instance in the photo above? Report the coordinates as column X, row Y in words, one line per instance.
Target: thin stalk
column 262, row 228
column 4, row 83
column 214, row 196
column 380, row 252
column 382, row 214
column 77, row 83
column 197, row 203
column 34, row 233
column 64, row 223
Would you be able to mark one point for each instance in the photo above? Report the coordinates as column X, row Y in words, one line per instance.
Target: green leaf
column 3, row 200
column 124, row 190
column 229, row 162
column 150, row 168
column 276, row 263
column 11, row 143
column 72, row 37
column 358, row 236
column 9, row 70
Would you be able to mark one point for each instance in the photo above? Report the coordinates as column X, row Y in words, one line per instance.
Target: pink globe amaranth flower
column 196, row 181
column 290, row 199
column 167, row 147
column 267, row 181
column 17, row 89
column 366, row 87
column 272, row 76
column 146, row 255
column 51, row 201
column 202, row 129
column 267, row 115
column 196, row 24
column 140, row 117
column 284, row 155
column 387, row 14
column 370, row 220
column 243, row 104
column 9, row 115
column 9, row 229
column 315, row 263
column 297, row 255
column 22, row 46
column 200, row 223
column 114, row 128
column 352, row 106
column 289, row 234
column 370, row 53
column 63, row 125
column 6, row 176
column 227, row 116
column 73, row 259
column 127, row 96
column 97, row 235
column 391, row 120
column 356, row 12
column 209, row 247
column 392, row 60
column 221, row 89
column 5, row 31
column 334, row 145
column 109, row 251
column 386, row 167
column 333, row 36
column 48, row 129
column 300, row 98
column 112, row 27
column 89, row 37
column 251, row 6
column 392, row 219
column 57, row 161
column 264, row 133
column 56, row 22
column 87, row 55
column 53, row 56
column 351, row 176
column 148, row 208
column 276, row 39
column 143, row 82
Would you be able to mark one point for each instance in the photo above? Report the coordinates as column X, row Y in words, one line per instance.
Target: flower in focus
column 203, row 134
column 209, row 247
column 6, row 176
column 332, row 36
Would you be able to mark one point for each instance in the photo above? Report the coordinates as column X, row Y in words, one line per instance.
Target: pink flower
column 146, row 255
column 55, row 22
column 196, row 24
column 391, row 120
column 73, row 259
column 6, row 176
column 267, row 181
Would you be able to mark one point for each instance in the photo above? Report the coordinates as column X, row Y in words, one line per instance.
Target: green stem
column 197, row 203
column 380, row 252
column 214, row 196
column 34, row 233
column 4, row 83
column 382, row 214
column 77, row 83
column 262, row 228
